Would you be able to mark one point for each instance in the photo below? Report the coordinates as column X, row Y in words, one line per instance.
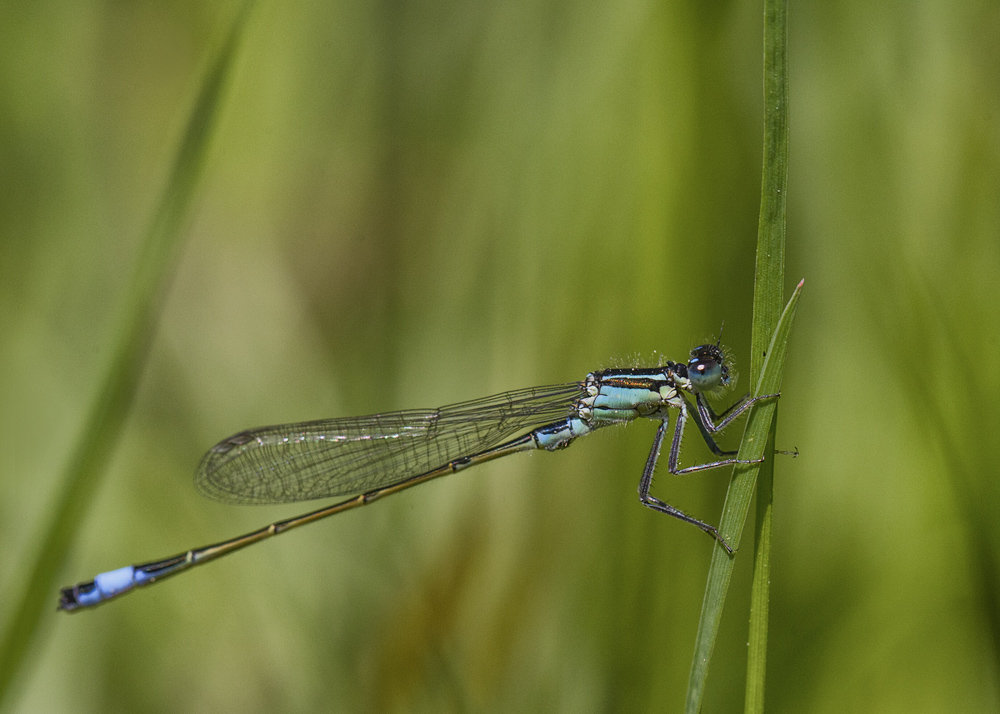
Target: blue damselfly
column 374, row 456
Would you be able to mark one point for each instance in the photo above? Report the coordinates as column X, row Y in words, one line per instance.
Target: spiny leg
column 704, row 406
column 675, row 449
column 708, row 416
column 656, row 504
column 706, row 435
column 704, row 416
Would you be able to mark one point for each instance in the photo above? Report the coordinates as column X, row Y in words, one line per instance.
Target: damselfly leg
column 704, row 418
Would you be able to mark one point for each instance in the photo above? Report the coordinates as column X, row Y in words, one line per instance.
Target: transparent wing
column 340, row 457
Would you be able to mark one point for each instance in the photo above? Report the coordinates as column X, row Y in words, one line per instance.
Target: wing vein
column 340, row 457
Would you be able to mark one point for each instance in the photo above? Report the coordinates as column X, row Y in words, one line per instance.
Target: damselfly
column 375, row 456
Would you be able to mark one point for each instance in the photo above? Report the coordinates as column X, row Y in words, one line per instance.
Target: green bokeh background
column 417, row 202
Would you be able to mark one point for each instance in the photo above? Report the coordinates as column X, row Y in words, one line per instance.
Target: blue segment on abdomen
column 624, row 397
column 559, row 435
column 107, row 585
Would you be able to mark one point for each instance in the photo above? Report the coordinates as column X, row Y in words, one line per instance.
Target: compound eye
column 706, row 374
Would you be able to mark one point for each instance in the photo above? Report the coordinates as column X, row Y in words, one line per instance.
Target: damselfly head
column 707, row 368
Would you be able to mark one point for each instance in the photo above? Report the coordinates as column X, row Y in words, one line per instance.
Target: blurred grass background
column 414, row 203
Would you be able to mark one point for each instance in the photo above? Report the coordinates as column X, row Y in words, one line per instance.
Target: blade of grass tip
column 737, row 505
column 107, row 414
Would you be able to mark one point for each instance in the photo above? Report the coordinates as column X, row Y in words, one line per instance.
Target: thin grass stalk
column 769, row 340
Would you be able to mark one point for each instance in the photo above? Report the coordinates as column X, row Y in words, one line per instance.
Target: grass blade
column 766, row 367
column 760, row 588
column 768, row 291
column 737, row 505
column 89, row 457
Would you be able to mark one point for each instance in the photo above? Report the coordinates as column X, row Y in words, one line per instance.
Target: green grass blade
column 760, row 589
column 737, row 505
column 768, row 291
column 765, row 373
column 769, row 281
column 101, row 429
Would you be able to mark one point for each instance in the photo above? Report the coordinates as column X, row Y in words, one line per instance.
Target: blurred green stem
column 769, row 341
column 136, row 325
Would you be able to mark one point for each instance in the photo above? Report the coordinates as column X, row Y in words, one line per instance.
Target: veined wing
column 341, row 457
